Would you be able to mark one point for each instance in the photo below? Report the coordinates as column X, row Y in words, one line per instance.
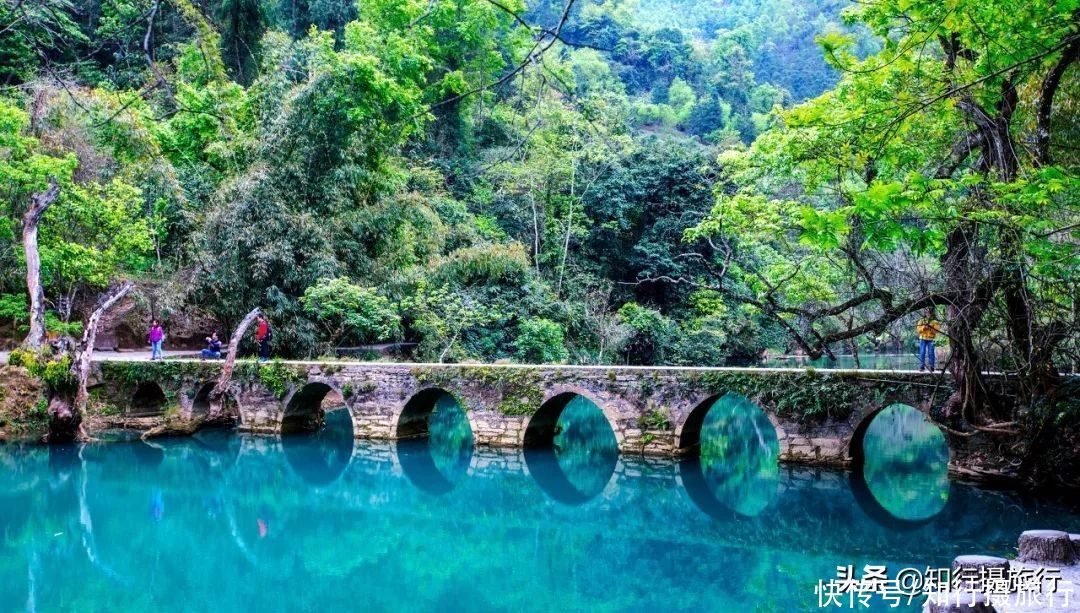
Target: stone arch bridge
column 819, row 416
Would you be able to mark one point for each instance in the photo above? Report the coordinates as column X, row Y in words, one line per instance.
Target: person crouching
column 213, row 348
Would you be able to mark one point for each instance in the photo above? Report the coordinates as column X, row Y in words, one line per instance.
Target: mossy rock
column 22, row 404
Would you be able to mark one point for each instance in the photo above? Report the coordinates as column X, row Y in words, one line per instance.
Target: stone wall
column 652, row 411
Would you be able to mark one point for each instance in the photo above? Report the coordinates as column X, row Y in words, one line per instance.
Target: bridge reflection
column 257, row 501
column 320, row 457
column 901, row 482
column 900, row 475
column 573, row 455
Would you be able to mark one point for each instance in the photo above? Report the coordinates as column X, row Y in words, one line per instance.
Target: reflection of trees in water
column 320, row 457
column 739, row 453
column 906, row 463
column 450, row 438
column 585, row 446
column 374, row 532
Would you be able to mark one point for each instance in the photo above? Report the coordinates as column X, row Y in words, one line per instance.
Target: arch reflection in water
column 222, row 443
column 439, row 459
column 320, row 457
column 905, row 464
column 738, row 460
column 583, row 451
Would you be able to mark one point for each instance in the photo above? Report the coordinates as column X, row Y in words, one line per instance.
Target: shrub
column 349, row 312
column 541, row 341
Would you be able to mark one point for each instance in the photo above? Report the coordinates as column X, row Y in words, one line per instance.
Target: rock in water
column 1046, row 546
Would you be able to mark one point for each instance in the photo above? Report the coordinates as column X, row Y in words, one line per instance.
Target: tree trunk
column 216, row 398
column 963, row 315
column 1046, row 546
column 65, row 414
column 217, row 395
column 40, row 202
column 86, row 349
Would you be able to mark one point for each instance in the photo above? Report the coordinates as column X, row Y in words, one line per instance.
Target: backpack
column 269, row 332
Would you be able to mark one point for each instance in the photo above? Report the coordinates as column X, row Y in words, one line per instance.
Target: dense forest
column 489, row 180
column 590, row 181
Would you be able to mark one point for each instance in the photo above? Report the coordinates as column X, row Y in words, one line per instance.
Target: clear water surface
column 224, row 522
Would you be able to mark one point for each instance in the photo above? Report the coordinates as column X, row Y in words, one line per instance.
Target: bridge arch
column 899, row 461
column 414, row 418
column 200, row 402
column 688, row 432
column 855, row 447
column 540, row 430
column 303, row 407
column 148, row 398
column 584, row 465
column 435, row 435
column 735, row 469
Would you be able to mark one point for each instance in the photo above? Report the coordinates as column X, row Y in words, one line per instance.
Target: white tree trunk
column 65, row 414
column 86, row 348
column 40, row 202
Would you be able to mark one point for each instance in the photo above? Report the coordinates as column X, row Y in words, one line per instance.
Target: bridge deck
column 188, row 356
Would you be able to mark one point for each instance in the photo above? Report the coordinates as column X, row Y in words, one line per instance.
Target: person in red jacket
column 263, row 335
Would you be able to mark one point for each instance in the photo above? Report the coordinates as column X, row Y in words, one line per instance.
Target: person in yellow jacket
column 927, row 328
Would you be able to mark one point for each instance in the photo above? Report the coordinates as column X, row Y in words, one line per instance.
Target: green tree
column 541, row 341
column 441, row 317
column 653, row 333
column 97, row 229
column 907, row 188
column 351, row 313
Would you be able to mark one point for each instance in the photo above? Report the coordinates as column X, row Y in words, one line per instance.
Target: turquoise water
column 320, row 522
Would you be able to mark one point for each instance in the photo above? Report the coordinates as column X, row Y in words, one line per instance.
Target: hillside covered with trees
column 615, row 181
column 491, row 180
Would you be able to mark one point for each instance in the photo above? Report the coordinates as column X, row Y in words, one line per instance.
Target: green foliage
column 22, row 357
column 351, row 313
column 97, row 228
column 14, row 307
column 505, row 203
column 54, row 325
column 55, row 372
column 278, row 377
column 314, row 153
column 541, row 341
column 850, row 192
column 441, row 317
column 655, row 419
column 652, row 332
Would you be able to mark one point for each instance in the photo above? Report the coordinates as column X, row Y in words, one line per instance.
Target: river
column 319, row 521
